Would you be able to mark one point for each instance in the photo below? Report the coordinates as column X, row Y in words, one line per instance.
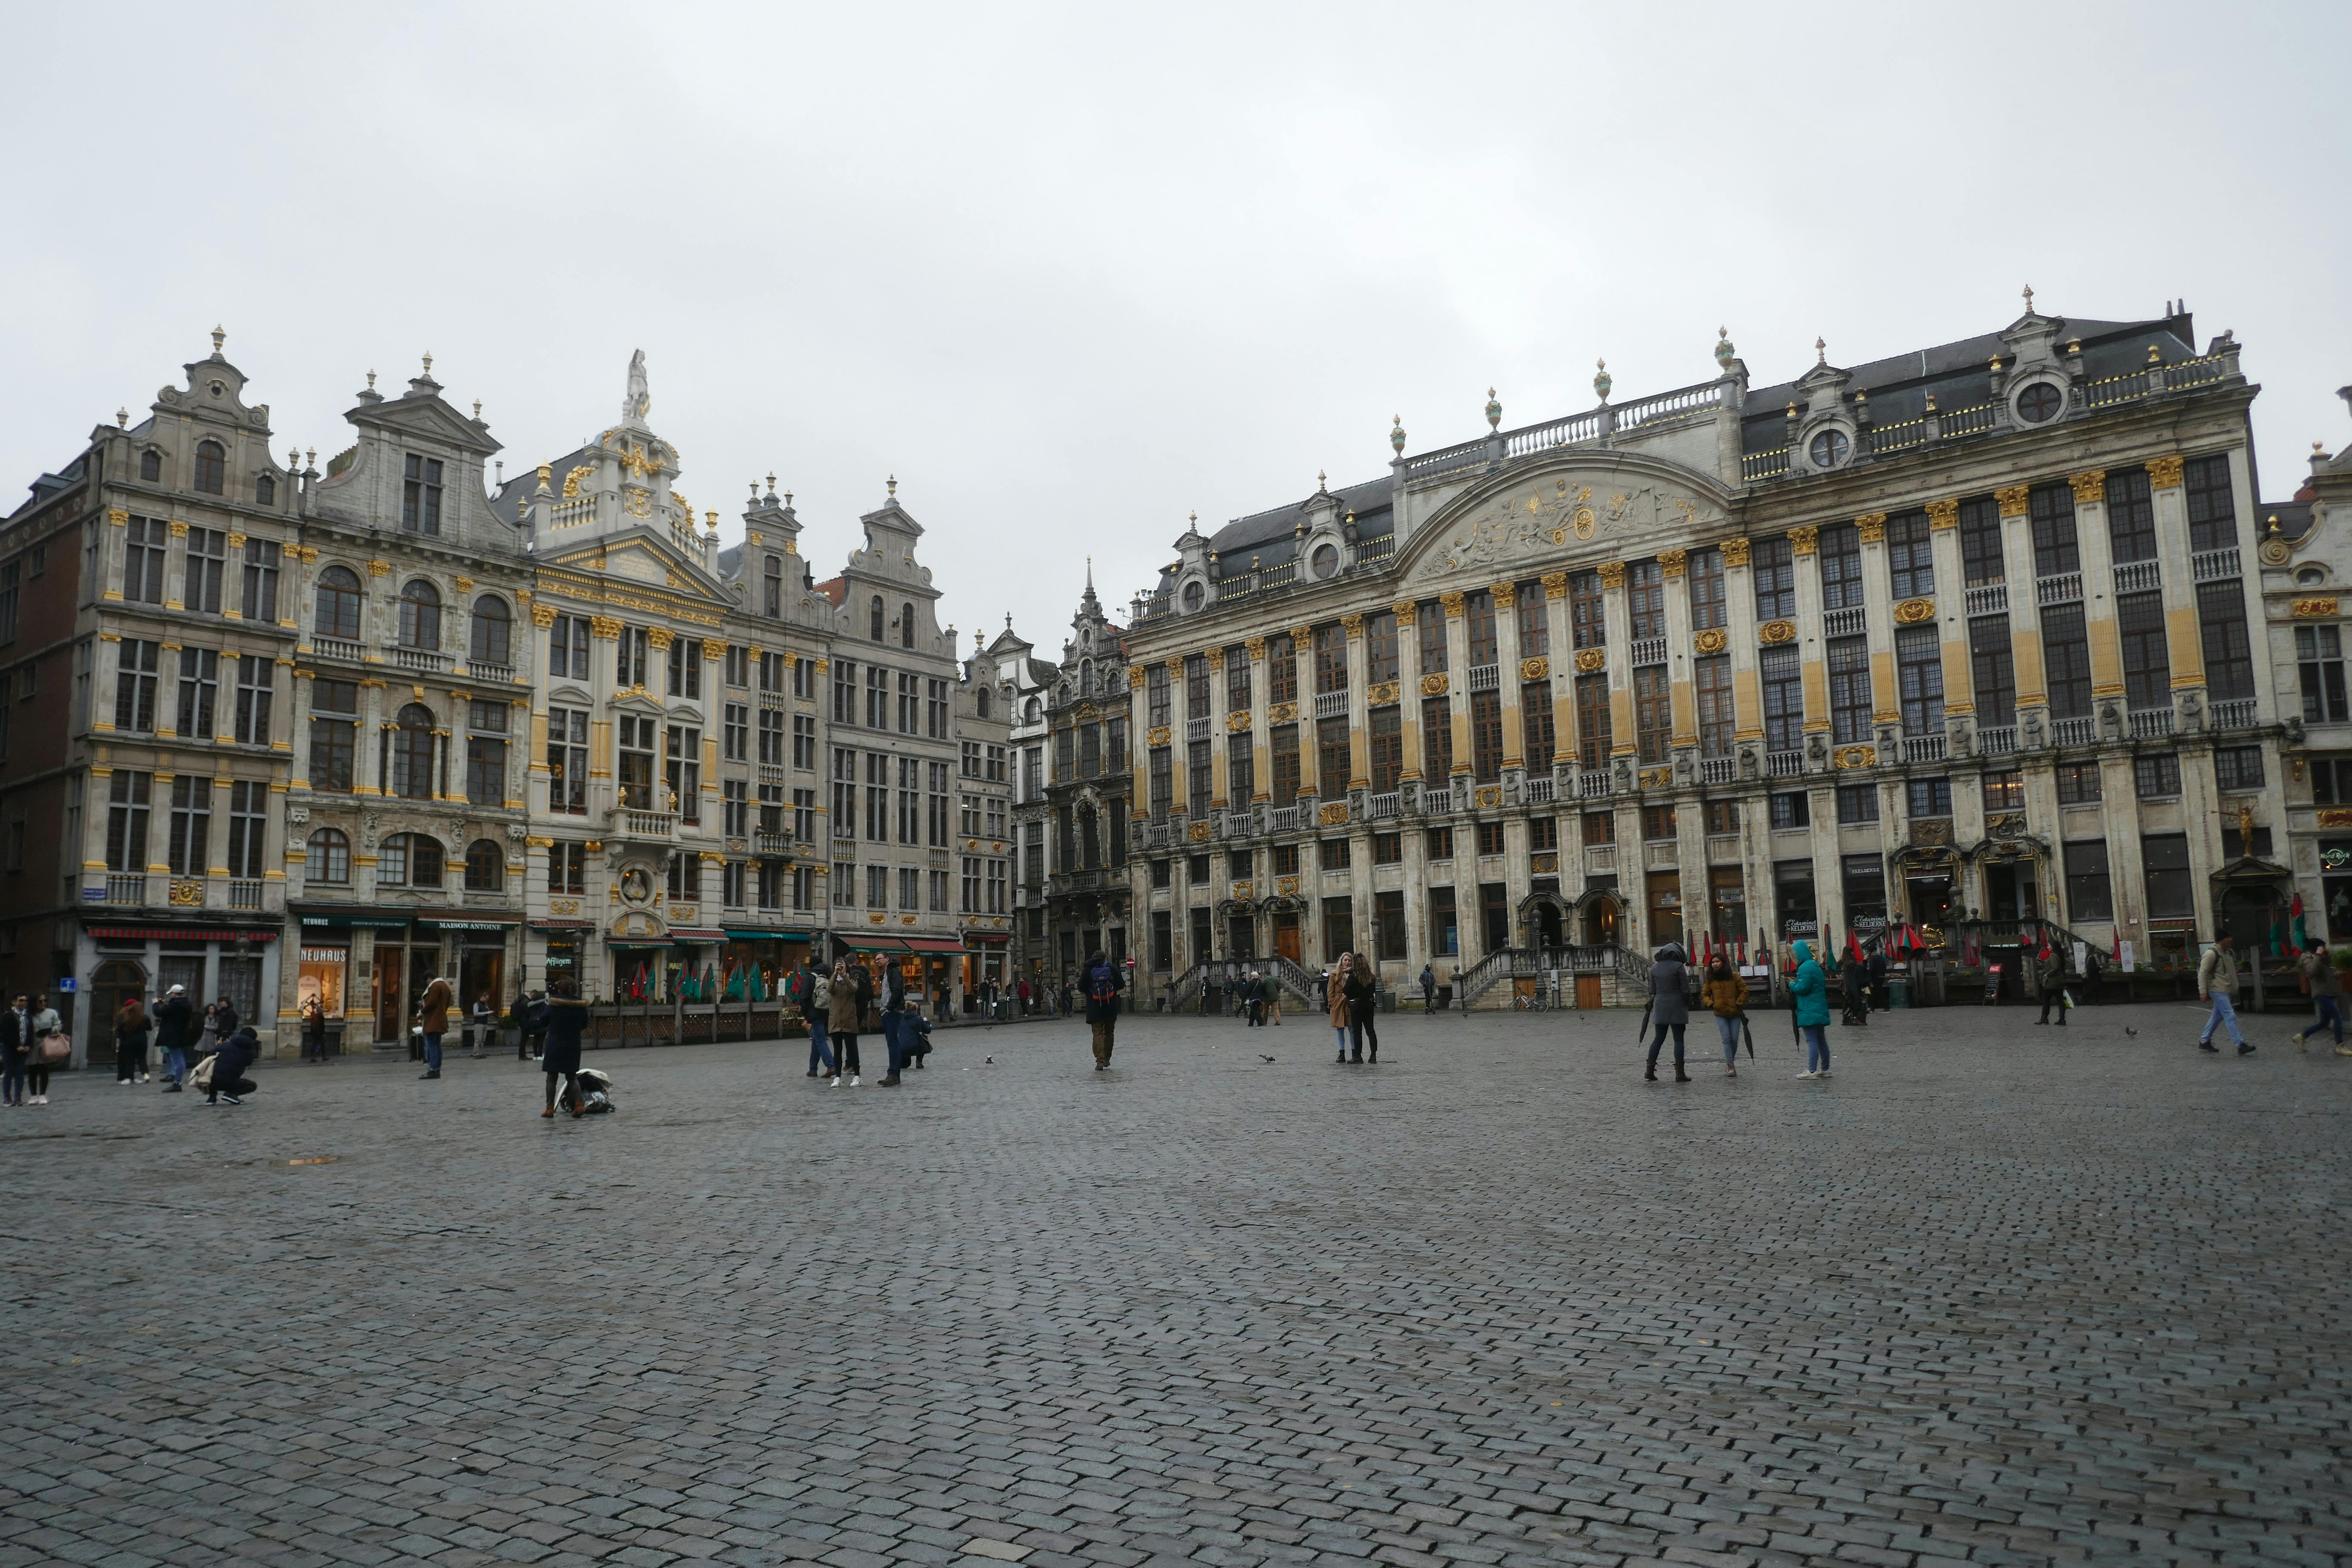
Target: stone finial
column 772, row 483
column 122, row 419
column 478, row 411
column 429, row 362
column 755, row 492
column 370, row 381
column 309, row 459
column 1322, row 483
column 1396, row 436
column 2029, row 299
column 1493, row 410
column 788, row 500
column 1723, row 353
column 894, row 487
column 1820, row 351
column 1601, row 380
column 219, row 336
column 294, row 461
column 2154, row 354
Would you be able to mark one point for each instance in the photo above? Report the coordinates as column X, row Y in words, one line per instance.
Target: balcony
column 1649, row 651
column 476, row 670
column 1784, row 764
column 2215, row 566
column 1485, row 676
column 773, row 700
column 771, row 844
column 421, row 661
column 1717, row 770
column 1388, row 803
column 1844, row 622
column 2138, row 577
column 770, row 774
column 2150, row 723
column 245, row 893
column 2235, row 714
column 1996, row 742
column 1286, row 819
column 1988, row 599
column 1594, row 784
column 2061, row 588
column 1923, row 747
column 1241, row 823
column 1538, row 791
column 126, row 888
column 335, row 647
column 2073, row 731
column 1330, row 705
column 1436, row 802
column 1196, row 728
column 643, row 827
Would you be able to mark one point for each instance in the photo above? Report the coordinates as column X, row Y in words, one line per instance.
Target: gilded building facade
column 1965, row 637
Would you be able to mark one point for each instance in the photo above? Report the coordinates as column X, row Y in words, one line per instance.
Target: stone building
column 147, row 634
column 2306, row 563
column 411, row 705
column 1024, row 683
column 986, row 765
column 1958, row 638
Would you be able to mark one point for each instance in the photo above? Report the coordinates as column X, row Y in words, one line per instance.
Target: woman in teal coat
column 1808, row 988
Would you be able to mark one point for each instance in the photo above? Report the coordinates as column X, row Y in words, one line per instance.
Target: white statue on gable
column 639, row 402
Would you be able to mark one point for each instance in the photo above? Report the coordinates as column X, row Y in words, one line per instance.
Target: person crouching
column 228, row 1082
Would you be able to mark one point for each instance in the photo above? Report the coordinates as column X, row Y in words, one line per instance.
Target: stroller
column 589, row 1093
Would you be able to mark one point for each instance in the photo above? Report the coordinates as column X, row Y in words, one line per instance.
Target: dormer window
column 151, row 465
column 773, row 583
column 874, row 618
column 1194, row 594
column 907, row 630
column 212, row 467
column 420, row 496
column 2040, row 403
column 1829, row 449
column 1325, row 561
column 265, row 491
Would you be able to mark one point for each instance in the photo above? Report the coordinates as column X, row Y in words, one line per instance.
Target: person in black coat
column 237, row 1053
column 131, row 1029
column 1361, row 988
column 1103, row 986
column 566, row 1020
column 174, row 1017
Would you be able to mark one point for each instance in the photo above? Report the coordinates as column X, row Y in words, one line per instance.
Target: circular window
column 1829, row 448
column 2039, row 404
column 219, row 389
column 1193, row 594
column 1325, row 561
column 2310, row 577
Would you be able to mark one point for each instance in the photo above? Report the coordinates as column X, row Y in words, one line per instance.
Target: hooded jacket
column 1669, row 987
column 1809, row 987
column 172, row 1015
column 236, row 1054
column 432, row 1011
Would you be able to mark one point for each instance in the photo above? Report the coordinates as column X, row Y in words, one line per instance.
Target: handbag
column 203, row 1077
column 54, row 1048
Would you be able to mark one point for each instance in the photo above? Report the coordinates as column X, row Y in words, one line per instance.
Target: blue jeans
column 1661, row 1040
column 894, row 1026
column 2330, row 1014
column 1817, row 1047
column 11, row 1078
column 2225, row 1011
column 1729, row 1030
column 175, row 1065
column 820, row 1054
column 432, row 1052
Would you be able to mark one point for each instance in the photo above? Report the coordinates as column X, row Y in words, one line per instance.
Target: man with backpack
column 810, row 992
column 1102, row 986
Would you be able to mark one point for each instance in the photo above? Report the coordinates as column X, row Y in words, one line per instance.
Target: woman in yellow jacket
column 1726, row 996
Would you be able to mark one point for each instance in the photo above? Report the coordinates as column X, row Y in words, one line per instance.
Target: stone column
column 1409, row 674
column 1179, row 757
column 108, row 586
column 1812, row 647
column 1457, row 700
column 1740, row 642
column 1562, row 675
column 1886, row 700
column 371, row 761
column 1507, row 678
column 2184, row 640
column 1219, row 779
column 175, row 568
column 1138, row 764
column 2015, row 502
column 2099, row 598
column 1681, row 698
column 105, row 673
column 1618, row 629
column 1951, row 616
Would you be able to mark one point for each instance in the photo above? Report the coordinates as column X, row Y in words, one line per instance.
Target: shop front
column 931, row 965
column 987, row 963
column 561, row 944
column 370, row 968
column 116, row 962
column 752, row 961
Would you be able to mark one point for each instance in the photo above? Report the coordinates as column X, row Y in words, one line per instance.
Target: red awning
column 562, row 925
column 183, row 934
column 933, row 944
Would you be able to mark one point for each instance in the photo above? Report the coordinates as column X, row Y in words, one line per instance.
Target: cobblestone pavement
column 1992, row 1294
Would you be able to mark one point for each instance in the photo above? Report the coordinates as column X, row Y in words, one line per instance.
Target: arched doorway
column 1602, row 913
column 1545, row 921
column 117, row 980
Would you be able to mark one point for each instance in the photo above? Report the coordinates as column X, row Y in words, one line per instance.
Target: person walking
column 1877, row 967
column 2050, row 972
column 132, row 1028
column 1808, row 993
column 894, row 1020
column 1103, row 985
column 1363, row 994
column 314, row 1031
column 563, row 1018
column 815, row 998
column 228, row 1082
column 842, row 1007
column 47, row 1031
column 433, row 1017
column 2326, row 996
column 2217, row 982
column 1726, row 996
column 1669, row 1008
column 1335, row 1002
column 174, row 1017
column 16, row 1050
column 1428, row 989
column 1269, row 985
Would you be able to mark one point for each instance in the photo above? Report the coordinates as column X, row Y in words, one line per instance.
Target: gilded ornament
column 2164, row 473
column 1282, row 713
column 1585, row 522
column 179, row 529
column 1451, row 604
column 1589, row 659
column 1555, row 585
column 1870, row 528
column 1135, row 679
column 1238, row 722
column 1198, row 833
column 1175, row 669
column 659, row 638
column 379, row 568
column 605, row 626
column 1434, row 685
column 2014, row 500
column 1543, row 863
column 186, row 894
column 1302, row 637
column 572, row 480
column 1537, row 669
column 1257, row 646
column 1671, row 562
column 1506, row 595
column 1777, row 631
column 117, row 518
column 2275, row 553
column 1244, row 891
column 1657, row 778
column 1352, row 624
column 1735, row 551
column 1286, row 886
column 309, row 556
column 1385, row 693
column 1158, row 736
column 1912, row 611
column 1804, row 541
column 1489, row 796
column 640, row 503
column 1711, row 640
column 2335, row 819
column 1943, row 514
column 2308, row 608
column 1333, row 815
column 1855, row 757
column 1612, row 574
column 2090, row 486
column 1406, row 612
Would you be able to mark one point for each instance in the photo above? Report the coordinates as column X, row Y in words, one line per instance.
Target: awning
column 933, row 944
column 183, row 934
column 562, row 925
column 874, row 944
column 685, row 936
column 735, row 933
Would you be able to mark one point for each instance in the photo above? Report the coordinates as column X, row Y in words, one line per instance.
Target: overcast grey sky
column 1072, row 273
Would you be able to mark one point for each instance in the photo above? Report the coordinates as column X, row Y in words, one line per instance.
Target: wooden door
column 1286, row 936
column 1588, row 991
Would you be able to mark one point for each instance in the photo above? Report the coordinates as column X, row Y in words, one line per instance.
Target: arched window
column 485, row 866
column 265, row 491
column 338, row 613
column 493, row 630
column 874, row 618
column 151, row 465
column 412, row 752
column 425, row 859
column 1037, row 710
column 212, row 467
column 906, row 625
column 420, row 615
column 1085, row 675
column 330, row 858
column 982, row 697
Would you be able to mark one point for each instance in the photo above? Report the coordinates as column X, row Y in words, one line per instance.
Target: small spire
column 788, row 500
column 502, row 471
column 1820, row 351
column 2029, row 299
column 1090, row 574
column 1321, row 483
column 772, row 483
column 975, row 639
column 219, row 336
column 755, row 492
column 370, row 381
column 1601, row 380
column 1723, row 353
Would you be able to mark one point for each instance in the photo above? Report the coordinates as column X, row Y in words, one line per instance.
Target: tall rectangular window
column 2078, row 783
column 1445, row 925
column 334, row 721
column 1089, row 751
column 1163, row 782
column 2171, row 891
column 191, row 824
column 1993, row 672
column 1380, row 661
column 1240, row 769
column 2066, row 661
column 681, row 771
column 1387, row 925
column 735, row 810
column 144, row 542
column 1980, row 544
column 256, row 685
column 631, row 657
column 248, row 823
column 1783, row 679
column 2155, row 776
column 1282, row 748
column 485, row 753
column 685, row 671
column 1645, row 600
column 2131, row 516
column 910, row 805
column 845, row 798
column 1281, row 669
column 1774, row 567
column 1486, row 736
column 936, row 791
column 420, row 495
column 1330, row 658
column 2221, row 627
column 738, row 665
column 567, row 761
column 1155, row 692
column 1536, row 721
column 735, row 733
column 877, row 698
column 1840, row 556
column 845, row 691
column 128, row 795
column 1850, row 698
column 2147, row 675
column 2319, row 663
column 1436, row 741
column 2050, row 512
column 1711, row 682
column 878, row 797
column 263, row 558
column 1198, row 767
column 1706, row 592
column 134, row 684
column 638, row 739
column 1478, row 624
column 1910, row 558
column 1237, row 679
column 1652, row 713
column 567, row 647
column 1196, row 686
column 1331, row 742
column 1386, row 746
column 1535, row 622
column 1594, row 740
column 2213, row 511
column 208, row 565
column 1919, row 678
column 199, row 691
column 1588, row 610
